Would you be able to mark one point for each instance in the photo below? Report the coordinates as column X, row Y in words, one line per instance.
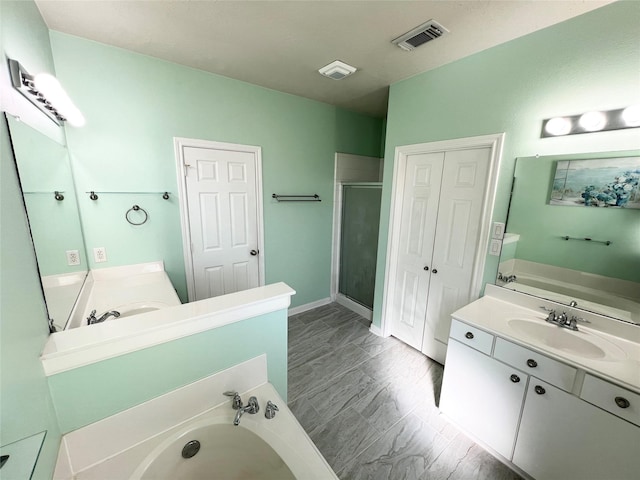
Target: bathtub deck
column 369, row 404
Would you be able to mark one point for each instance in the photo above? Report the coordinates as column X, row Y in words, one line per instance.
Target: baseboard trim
column 309, row 306
column 376, row 330
column 354, row 306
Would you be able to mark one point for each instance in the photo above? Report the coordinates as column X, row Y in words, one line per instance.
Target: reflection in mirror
column 50, row 199
column 602, row 274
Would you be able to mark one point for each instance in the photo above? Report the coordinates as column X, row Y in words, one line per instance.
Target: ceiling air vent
column 420, row 35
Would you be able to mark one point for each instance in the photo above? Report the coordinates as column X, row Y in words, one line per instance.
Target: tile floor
column 369, row 404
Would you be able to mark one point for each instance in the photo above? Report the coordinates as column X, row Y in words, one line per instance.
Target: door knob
column 434, row 271
column 426, row 269
column 254, row 252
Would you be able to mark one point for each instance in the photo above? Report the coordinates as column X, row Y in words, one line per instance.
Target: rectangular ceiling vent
column 420, row 35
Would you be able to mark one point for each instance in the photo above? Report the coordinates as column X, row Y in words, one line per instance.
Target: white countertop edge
column 468, row 315
column 83, row 346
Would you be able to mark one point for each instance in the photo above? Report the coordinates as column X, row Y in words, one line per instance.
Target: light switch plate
column 494, row 247
column 498, row 230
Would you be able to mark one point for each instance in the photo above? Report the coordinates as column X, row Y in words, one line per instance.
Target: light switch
column 498, row 230
column 494, row 247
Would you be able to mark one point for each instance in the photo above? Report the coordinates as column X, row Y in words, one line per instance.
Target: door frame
column 181, row 170
column 495, row 142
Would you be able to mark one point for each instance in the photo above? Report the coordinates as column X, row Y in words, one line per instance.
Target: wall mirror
column 50, row 198
column 584, row 254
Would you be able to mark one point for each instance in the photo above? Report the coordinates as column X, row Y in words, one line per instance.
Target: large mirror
column 572, row 252
column 49, row 195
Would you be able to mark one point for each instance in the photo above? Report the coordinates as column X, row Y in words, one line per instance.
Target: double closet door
column 442, row 201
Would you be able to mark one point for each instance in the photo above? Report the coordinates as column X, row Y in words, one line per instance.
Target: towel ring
column 136, row 208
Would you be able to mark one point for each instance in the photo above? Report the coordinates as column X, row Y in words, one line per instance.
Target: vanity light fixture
column 46, row 93
column 594, row 121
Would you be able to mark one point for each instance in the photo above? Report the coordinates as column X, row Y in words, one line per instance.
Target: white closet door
column 464, row 182
column 422, row 178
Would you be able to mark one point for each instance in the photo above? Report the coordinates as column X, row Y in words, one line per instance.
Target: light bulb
column 558, row 126
column 631, row 116
column 593, row 121
column 51, row 89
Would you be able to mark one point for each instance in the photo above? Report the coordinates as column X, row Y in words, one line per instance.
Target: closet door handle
column 434, row 271
column 426, row 269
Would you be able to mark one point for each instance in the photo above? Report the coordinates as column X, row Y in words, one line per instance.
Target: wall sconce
column 46, row 93
column 595, row 121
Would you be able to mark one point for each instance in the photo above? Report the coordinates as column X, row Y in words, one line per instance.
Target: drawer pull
column 469, row 335
column 539, row 390
column 622, row 402
column 532, row 363
column 514, row 378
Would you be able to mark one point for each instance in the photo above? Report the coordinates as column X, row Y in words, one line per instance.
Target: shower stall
column 359, row 225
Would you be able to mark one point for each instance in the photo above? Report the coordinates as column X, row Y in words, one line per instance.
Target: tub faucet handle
column 236, row 401
column 270, row 410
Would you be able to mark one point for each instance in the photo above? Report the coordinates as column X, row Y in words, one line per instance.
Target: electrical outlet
column 100, row 254
column 73, row 257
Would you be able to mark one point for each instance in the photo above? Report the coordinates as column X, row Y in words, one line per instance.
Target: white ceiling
column 282, row 44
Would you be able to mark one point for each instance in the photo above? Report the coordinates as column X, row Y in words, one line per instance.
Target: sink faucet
column 562, row 320
column 507, row 278
column 91, row 319
column 252, row 406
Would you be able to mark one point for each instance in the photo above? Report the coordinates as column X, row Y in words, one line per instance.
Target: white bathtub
column 146, row 441
column 226, row 451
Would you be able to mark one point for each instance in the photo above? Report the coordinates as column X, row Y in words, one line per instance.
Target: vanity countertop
column 609, row 355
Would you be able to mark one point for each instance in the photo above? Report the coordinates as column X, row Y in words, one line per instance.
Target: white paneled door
column 221, row 192
column 419, row 212
column 436, row 244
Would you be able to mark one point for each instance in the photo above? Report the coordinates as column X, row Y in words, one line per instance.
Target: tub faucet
column 252, row 408
column 91, row 319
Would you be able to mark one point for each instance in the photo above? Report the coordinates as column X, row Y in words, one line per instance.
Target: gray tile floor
column 369, row 404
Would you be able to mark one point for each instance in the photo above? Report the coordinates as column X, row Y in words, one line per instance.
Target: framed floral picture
column 604, row 183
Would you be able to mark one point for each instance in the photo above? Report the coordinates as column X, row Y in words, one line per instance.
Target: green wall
column 26, row 407
column 135, row 105
column 87, row 394
column 569, row 68
column 540, row 225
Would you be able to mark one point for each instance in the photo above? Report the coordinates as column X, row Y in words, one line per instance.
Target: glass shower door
column 359, row 241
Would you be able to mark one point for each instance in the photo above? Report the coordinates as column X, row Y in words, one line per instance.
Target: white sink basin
column 580, row 343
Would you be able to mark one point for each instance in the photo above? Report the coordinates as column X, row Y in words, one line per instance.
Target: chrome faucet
column 562, row 320
column 91, row 319
column 252, row 406
column 506, row 278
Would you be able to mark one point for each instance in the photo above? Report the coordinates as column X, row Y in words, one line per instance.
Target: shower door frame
column 336, row 296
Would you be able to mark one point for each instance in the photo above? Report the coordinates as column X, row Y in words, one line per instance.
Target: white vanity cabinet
column 564, row 437
column 525, row 406
column 483, row 396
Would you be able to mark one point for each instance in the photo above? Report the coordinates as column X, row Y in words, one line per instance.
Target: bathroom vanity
column 548, row 401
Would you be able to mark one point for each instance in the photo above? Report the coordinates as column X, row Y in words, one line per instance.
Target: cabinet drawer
column 612, row 398
column 474, row 337
column 545, row 368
